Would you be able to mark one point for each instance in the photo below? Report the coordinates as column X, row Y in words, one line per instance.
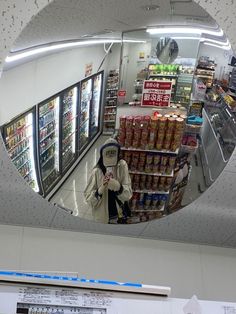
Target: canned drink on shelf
column 172, row 161
column 152, row 139
column 155, row 180
column 144, row 135
column 168, row 135
column 179, row 123
column 159, row 145
column 149, row 159
column 156, row 159
column 155, row 168
column 133, row 166
column 149, row 179
column 162, row 169
column 137, row 178
column 137, row 134
column 128, row 143
column 164, row 160
column 148, row 201
column 129, row 122
column 137, row 122
column 136, row 186
column 146, row 122
column 166, row 144
column 162, row 123
column 129, row 134
column 148, row 168
column 160, row 135
column 143, row 178
column 135, row 143
column 154, row 123
column 142, row 157
column 169, row 170
column 142, row 185
column 171, row 123
column 141, row 167
column 143, row 144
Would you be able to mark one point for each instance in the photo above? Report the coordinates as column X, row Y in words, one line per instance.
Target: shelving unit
column 206, row 71
column 109, row 117
column 184, row 89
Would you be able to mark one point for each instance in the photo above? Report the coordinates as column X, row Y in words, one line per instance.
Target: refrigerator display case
column 19, row 138
column 84, row 113
column 69, row 102
column 48, row 140
column 96, row 104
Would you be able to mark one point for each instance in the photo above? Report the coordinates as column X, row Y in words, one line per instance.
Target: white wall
column 208, row 272
column 220, row 56
column 26, row 85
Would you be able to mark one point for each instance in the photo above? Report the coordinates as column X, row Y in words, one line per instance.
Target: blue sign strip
column 64, row 278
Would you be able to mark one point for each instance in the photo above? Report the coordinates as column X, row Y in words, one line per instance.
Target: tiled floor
column 70, row 195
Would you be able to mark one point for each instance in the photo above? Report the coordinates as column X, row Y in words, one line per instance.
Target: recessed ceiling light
column 151, row 7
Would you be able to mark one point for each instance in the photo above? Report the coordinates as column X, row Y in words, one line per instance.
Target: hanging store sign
column 121, row 96
column 156, row 93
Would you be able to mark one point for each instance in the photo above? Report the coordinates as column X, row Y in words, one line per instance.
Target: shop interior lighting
column 183, row 30
column 217, row 46
column 31, row 52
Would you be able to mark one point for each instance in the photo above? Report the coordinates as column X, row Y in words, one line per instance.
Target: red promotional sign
column 121, row 96
column 156, row 93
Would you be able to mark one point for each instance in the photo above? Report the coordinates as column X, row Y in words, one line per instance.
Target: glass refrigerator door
column 95, row 107
column 86, row 95
column 49, row 143
column 69, row 115
column 21, row 147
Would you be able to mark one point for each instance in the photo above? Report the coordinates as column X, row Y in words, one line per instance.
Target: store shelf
column 109, row 121
column 23, row 164
column 47, row 136
column 114, row 97
column 189, row 149
column 27, row 173
column 68, row 136
column 46, row 112
column 148, row 210
column 18, row 131
column 163, row 75
column 158, row 174
column 110, row 106
column 109, row 113
column 82, row 124
column 25, row 149
column 150, row 150
column 47, row 148
column 48, row 174
column 68, row 122
column 111, row 89
column 151, row 192
column 47, row 124
column 45, row 162
column 18, row 143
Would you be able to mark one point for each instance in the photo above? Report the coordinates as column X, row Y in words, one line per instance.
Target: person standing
column 109, row 187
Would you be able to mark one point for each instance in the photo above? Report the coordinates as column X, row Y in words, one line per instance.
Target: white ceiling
column 67, row 20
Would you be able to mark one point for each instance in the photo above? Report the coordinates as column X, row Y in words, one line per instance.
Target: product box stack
column 150, row 145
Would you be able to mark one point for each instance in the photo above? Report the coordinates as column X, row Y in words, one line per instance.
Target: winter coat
column 99, row 205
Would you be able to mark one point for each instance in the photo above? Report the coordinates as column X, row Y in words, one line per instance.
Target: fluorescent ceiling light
column 217, row 46
column 226, row 43
column 183, row 30
column 24, row 54
column 191, row 38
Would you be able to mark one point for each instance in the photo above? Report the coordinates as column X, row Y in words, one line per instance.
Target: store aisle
column 70, row 195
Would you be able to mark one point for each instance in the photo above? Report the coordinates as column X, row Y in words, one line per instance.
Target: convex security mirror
column 167, row 50
column 163, row 98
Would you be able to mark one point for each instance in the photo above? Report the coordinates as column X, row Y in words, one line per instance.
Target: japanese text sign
column 156, row 93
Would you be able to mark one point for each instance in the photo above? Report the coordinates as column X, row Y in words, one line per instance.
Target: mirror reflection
column 167, row 50
column 141, row 129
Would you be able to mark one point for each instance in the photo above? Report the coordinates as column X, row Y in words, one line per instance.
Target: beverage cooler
column 48, row 142
column 96, row 104
column 68, row 118
column 89, row 109
column 84, row 113
column 19, row 136
column 44, row 143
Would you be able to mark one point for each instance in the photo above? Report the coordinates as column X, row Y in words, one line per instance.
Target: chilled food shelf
column 45, row 162
column 69, row 122
column 82, row 124
column 23, row 164
column 47, row 148
column 18, row 155
column 27, row 173
column 48, row 173
column 109, row 121
column 45, row 125
column 68, row 136
column 47, row 136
